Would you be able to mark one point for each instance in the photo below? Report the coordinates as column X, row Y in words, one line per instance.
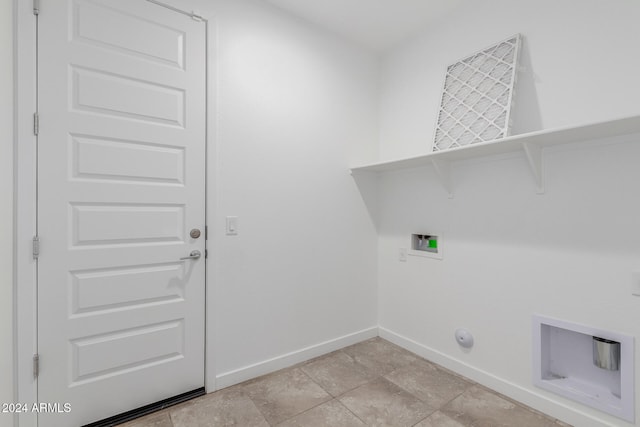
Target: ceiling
column 376, row 24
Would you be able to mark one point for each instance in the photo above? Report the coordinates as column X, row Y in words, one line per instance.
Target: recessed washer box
column 426, row 245
column 567, row 362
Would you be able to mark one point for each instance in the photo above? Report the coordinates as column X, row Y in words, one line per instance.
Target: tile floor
column 373, row 383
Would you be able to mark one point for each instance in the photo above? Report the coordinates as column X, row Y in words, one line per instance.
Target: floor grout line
column 351, row 412
column 336, row 398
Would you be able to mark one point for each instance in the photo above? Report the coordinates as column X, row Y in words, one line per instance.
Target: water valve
column 464, row 338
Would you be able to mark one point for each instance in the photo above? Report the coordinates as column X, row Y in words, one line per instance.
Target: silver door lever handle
column 193, row 255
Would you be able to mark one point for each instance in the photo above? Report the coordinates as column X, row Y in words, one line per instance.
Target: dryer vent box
column 585, row 364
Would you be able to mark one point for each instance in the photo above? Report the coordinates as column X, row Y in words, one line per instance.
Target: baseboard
column 530, row 398
column 262, row 368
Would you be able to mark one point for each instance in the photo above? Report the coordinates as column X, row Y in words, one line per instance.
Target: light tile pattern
column 230, row 406
column 429, row 383
column 338, row 373
column 382, row 403
column 373, row 383
column 159, row 419
column 484, row 408
column 330, row 414
column 285, row 394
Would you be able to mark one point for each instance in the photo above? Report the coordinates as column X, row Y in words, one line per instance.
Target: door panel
column 120, row 96
column 113, row 159
column 112, row 288
column 160, row 43
column 121, row 182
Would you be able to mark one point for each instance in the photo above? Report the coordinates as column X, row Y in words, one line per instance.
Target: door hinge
column 36, row 365
column 206, row 232
column 36, row 7
column 36, row 123
column 36, row 247
column 196, row 17
column 206, row 254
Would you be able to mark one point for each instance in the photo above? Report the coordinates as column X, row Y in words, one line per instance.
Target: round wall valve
column 464, row 338
column 195, row 233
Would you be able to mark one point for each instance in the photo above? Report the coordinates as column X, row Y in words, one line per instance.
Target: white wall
column 578, row 66
column 295, row 106
column 6, row 207
column 510, row 253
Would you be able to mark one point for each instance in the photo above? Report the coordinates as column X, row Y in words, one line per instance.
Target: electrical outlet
column 402, row 255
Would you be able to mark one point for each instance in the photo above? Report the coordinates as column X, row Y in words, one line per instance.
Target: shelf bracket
column 534, row 156
column 443, row 170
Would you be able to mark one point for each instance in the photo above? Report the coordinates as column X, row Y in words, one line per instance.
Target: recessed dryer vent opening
column 426, row 245
column 585, row 364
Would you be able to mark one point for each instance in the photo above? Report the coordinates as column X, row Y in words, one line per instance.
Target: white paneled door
column 121, row 185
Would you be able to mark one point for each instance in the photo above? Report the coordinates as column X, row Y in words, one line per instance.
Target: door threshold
column 148, row 409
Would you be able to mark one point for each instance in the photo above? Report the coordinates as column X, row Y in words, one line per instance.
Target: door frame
column 25, row 325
